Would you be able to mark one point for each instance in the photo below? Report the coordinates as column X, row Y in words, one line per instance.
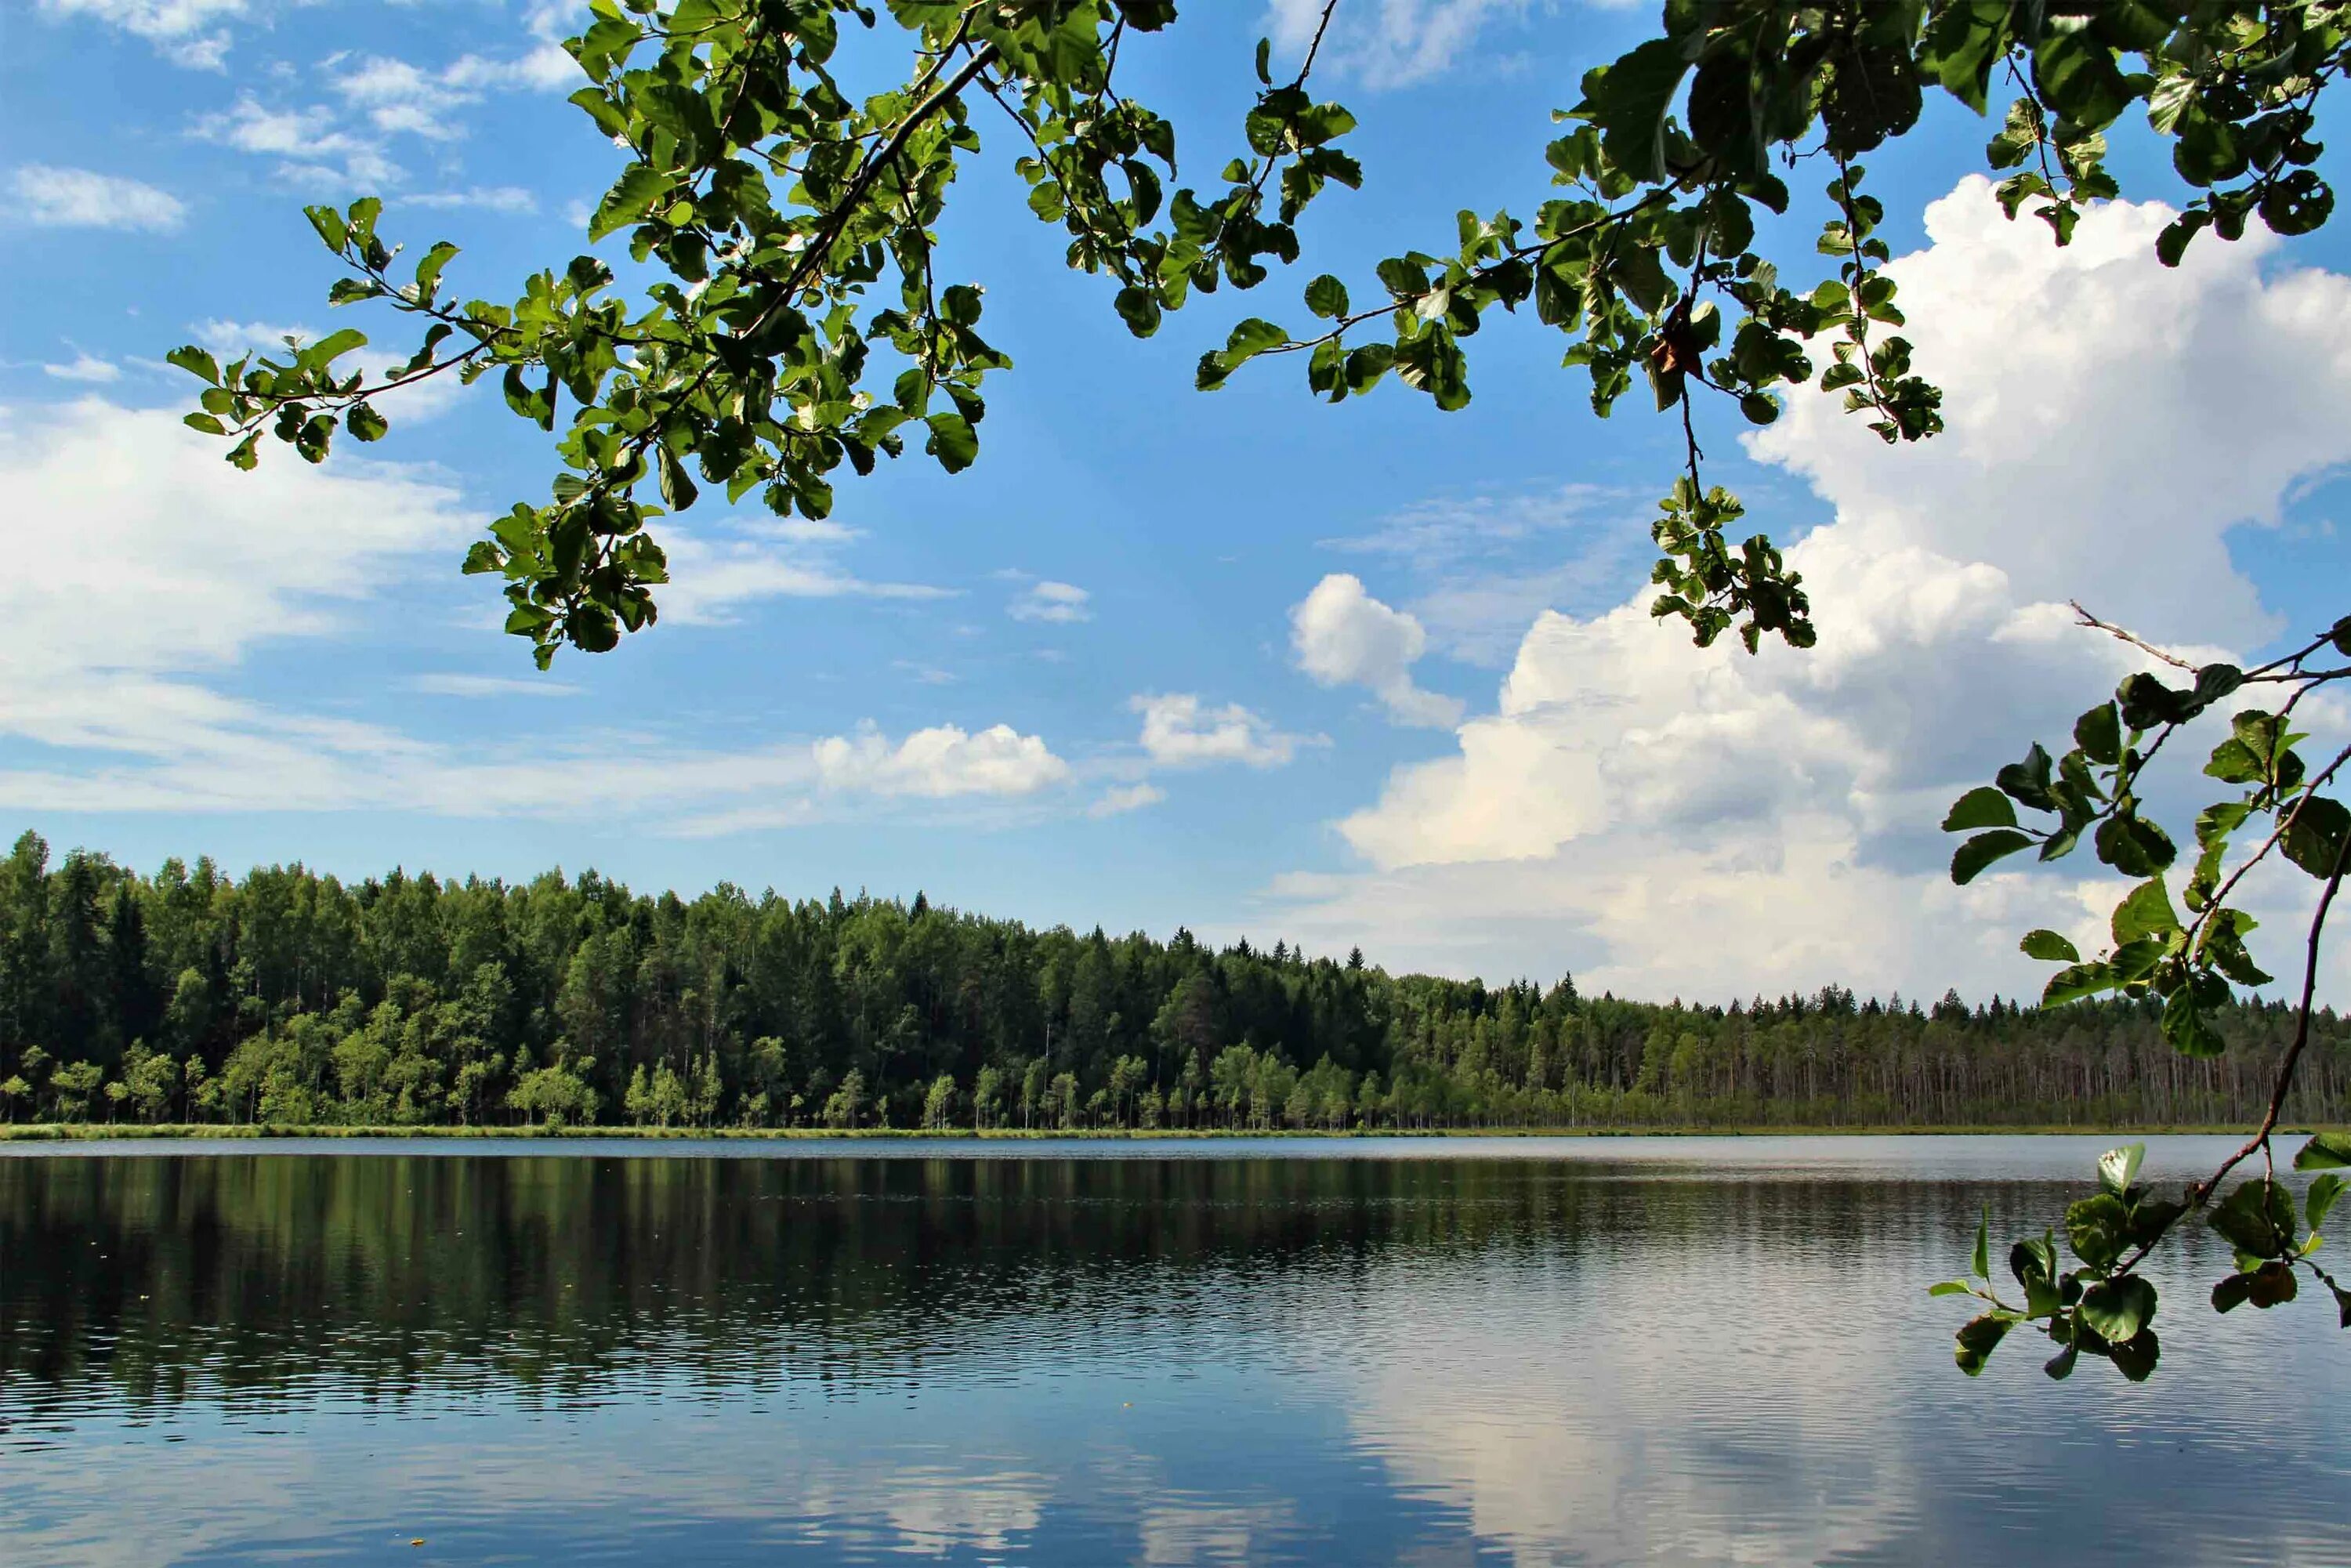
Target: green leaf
column 2146, row 912
column 1628, row 101
column 2073, row 984
column 2117, row 1169
column 2134, row 846
column 2230, row 1293
column 2257, row 1219
column 2272, row 1285
column 1977, row 1339
column 2049, row 947
column 364, row 423
column 2099, row 1229
column 428, row 270
column 2326, row 1151
column 2320, row 1199
column 204, row 422
column 1982, row 806
column 196, row 361
column 1981, row 1264
column 334, row 346
column 2099, row 735
column 2315, row 841
column 2118, row 1308
column 1950, row 1288
column 2184, row 1024
column 953, row 442
column 1984, row 849
column 330, row 225
column 2136, row 1357
column 1327, row 297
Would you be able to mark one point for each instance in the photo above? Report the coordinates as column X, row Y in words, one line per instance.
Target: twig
column 2123, row 635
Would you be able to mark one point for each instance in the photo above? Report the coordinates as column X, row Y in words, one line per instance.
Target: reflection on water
column 1417, row 1352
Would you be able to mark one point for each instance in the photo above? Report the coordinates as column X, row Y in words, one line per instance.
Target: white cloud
column 710, row 578
column 231, row 340
column 492, row 686
column 1343, row 636
column 314, row 152
column 145, row 570
column 194, row 562
column 1487, row 563
column 400, row 98
column 1179, row 730
column 938, row 763
column 511, row 199
column 78, row 198
column 1120, row 799
column 185, row 31
column 1712, row 823
column 543, row 68
column 84, row 368
column 1060, row 604
column 1388, row 43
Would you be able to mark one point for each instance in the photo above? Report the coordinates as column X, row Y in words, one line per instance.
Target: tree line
column 291, row 997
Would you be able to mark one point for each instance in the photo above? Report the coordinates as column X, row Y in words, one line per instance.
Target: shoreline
column 90, row 1131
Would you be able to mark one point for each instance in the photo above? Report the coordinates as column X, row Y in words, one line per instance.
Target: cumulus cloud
column 1678, row 820
column 50, row 197
column 145, row 570
column 1389, row 43
column 1342, row 636
column 939, row 763
column 1060, row 604
column 1180, row 730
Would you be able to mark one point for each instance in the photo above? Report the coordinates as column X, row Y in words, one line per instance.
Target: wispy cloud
column 188, row 31
column 1120, row 799
column 84, row 368
column 491, row 686
column 1389, row 43
column 512, row 199
column 198, row 566
column 1059, row 603
column 50, row 197
column 309, row 146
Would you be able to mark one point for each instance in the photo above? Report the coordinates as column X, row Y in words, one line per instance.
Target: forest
column 292, row 999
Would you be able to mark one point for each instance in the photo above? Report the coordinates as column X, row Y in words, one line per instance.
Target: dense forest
column 291, row 998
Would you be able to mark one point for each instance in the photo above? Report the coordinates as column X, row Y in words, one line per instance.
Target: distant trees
column 290, row 998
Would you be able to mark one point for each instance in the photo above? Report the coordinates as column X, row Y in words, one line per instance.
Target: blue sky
column 1471, row 751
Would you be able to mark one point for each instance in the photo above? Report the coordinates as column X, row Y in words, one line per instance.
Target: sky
column 1366, row 675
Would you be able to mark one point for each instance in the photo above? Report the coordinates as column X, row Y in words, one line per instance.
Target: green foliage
column 288, row 996
column 791, row 230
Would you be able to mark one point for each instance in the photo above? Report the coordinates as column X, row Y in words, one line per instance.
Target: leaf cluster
column 2103, row 1306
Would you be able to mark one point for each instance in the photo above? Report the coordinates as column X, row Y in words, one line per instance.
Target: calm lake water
column 1423, row 1350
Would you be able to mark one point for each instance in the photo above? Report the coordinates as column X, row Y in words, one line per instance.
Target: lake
column 1422, row 1351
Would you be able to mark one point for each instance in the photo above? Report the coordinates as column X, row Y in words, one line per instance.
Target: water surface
column 1378, row 1350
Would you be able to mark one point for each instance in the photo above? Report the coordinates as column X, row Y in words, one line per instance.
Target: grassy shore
column 86, row 1131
